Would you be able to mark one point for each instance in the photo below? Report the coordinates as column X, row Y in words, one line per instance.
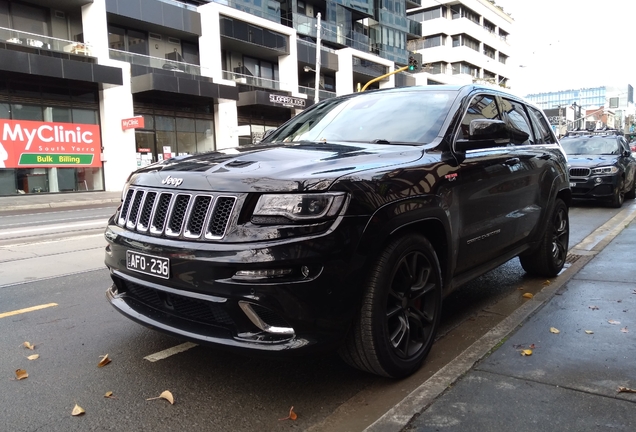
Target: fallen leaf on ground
column 624, row 330
column 526, row 352
column 626, row 390
column 554, row 330
column 528, row 295
column 34, row 357
column 614, row 322
column 28, row 345
column 531, row 346
column 546, row 283
column 521, row 288
column 109, row 394
column 593, row 307
column 589, row 332
column 104, row 361
column 21, row 374
column 165, row 395
column 292, row 415
column 77, row 410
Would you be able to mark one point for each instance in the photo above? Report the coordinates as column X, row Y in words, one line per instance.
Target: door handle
column 512, row 161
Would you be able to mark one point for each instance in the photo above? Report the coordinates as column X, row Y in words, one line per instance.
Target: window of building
column 429, row 14
column 123, row 39
column 465, row 40
column 433, row 41
column 613, row 102
column 436, row 68
column 489, row 52
column 460, row 11
column 503, row 58
column 465, row 68
column 489, row 26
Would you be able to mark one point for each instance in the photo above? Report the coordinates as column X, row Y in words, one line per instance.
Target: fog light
column 261, row 274
column 598, row 180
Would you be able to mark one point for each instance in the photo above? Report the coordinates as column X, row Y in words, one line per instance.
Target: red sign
column 32, row 144
column 132, row 123
column 144, row 150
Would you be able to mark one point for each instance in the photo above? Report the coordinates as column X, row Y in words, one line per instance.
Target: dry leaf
column 104, row 361
column 546, row 283
column 34, row 357
column 165, row 395
column 554, row 330
column 614, row 322
column 626, row 390
column 526, row 352
column 593, row 307
column 589, row 332
column 28, row 345
column 21, row 374
column 109, row 394
column 77, row 410
column 528, row 295
column 624, row 330
column 292, row 415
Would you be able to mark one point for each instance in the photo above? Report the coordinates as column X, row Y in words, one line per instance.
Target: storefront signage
column 132, row 123
column 25, row 144
column 287, row 101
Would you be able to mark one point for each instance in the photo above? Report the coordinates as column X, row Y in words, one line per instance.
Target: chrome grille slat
column 580, row 172
column 183, row 214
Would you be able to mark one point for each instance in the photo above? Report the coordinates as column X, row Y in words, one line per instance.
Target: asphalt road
column 213, row 390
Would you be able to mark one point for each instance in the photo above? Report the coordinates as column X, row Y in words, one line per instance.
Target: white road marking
column 170, row 351
column 53, row 227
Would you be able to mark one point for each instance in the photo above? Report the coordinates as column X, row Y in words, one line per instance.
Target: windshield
column 411, row 117
column 590, row 146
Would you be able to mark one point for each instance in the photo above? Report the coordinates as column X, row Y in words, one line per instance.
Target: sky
column 570, row 44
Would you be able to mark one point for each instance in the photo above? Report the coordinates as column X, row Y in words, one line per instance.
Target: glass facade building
column 593, row 97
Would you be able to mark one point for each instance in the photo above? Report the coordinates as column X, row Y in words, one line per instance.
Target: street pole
column 317, row 84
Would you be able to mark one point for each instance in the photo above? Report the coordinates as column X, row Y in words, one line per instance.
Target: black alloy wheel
column 619, row 194
column 549, row 258
column 398, row 320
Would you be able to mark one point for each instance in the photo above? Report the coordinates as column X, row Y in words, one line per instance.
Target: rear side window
column 521, row 131
column 481, row 107
column 542, row 129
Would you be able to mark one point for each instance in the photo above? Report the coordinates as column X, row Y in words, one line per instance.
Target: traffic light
column 415, row 62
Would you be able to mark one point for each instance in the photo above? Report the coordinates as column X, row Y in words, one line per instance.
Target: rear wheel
column 548, row 259
column 397, row 322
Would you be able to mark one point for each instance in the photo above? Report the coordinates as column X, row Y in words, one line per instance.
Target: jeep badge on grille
column 172, row 181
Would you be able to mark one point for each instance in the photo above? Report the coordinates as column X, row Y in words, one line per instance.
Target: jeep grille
column 580, row 172
column 185, row 215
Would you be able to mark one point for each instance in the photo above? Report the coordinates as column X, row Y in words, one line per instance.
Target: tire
column 549, row 258
column 396, row 326
column 619, row 195
column 631, row 194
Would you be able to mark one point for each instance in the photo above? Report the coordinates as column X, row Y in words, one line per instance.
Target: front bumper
column 594, row 187
column 309, row 309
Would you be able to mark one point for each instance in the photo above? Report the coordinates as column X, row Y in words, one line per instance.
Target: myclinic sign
column 31, row 144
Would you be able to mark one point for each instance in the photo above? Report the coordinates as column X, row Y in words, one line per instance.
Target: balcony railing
column 43, row 42
column 154, row 62
column 252, row 81
column 180, row 4
column 322, row 94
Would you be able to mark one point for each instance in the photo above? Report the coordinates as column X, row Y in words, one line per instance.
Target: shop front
column 50, row 138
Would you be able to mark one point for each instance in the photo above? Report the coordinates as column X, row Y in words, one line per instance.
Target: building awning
column 277, row 99
column 182, row 84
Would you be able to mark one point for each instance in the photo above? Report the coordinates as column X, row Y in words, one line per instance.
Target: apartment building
column 90, row 90
column 462, row 41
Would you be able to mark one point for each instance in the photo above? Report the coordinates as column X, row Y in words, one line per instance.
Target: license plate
column 572, row 184
column 148, row 264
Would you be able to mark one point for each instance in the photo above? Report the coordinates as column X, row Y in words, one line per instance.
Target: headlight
column 605, row 170
column 285, row 208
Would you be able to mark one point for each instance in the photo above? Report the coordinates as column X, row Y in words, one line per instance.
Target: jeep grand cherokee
column 345, row 228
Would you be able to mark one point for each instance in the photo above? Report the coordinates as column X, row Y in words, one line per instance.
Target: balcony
column 322, row 94
column 248, row 82
column 24, row 41
column 412, row 4
column 415, row 30
column 154, row 62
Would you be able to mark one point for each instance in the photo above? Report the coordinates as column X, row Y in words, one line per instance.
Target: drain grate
column 572, row 258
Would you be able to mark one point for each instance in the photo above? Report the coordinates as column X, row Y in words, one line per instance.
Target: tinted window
column 481, row 107
column 399, row 117
column 519, row 122
column 542, row 129
column 594, row 145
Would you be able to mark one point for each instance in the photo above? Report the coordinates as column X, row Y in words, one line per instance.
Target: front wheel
column 619, row 195
column 549, row 258
column 396, row 325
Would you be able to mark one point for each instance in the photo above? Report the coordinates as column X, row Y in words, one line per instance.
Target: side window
column 481, row 107
column 521, row 132
column 624, row 144
column 541, row 127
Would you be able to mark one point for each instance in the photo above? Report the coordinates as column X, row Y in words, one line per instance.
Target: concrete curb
column 60, row 204
column 419, row 399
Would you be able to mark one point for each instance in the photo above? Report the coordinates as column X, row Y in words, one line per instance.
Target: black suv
column 345, row 227
column 601, row 166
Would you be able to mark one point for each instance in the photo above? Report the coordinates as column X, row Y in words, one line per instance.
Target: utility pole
column 317, row 84
column 560, row 113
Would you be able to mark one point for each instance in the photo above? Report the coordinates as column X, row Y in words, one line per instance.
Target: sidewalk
column 43, row 201
column 571, row 379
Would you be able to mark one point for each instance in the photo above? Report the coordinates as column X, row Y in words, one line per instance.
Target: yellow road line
column 31, row 309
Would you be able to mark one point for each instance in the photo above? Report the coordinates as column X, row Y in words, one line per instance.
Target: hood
column 290, row 167
column 591, row 161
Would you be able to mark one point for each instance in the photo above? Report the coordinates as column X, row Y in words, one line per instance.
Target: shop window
column 85, row 116
column 26, row 112
column 5, row 112
column 60, row 115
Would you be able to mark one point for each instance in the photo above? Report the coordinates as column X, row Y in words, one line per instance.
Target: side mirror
column 484, row 133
